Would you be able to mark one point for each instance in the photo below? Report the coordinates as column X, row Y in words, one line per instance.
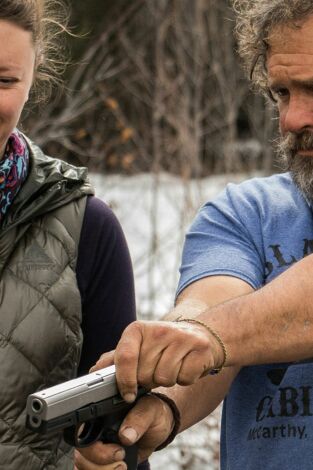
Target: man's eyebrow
column 308, row 83
column 304, row 83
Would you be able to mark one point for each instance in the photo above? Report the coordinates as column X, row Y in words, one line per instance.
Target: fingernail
column 119, row 467
column 93, row 368
column 129, row 397
column 130, row 434
column 119, row 455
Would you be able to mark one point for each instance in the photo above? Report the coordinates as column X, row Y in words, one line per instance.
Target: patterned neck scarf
column 13, row 170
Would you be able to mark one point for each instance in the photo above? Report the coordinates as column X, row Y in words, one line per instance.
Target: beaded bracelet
column 216, row 370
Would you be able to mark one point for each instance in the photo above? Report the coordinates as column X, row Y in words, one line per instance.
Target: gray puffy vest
column 40, row 305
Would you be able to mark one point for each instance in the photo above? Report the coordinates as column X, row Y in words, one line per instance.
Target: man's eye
column 279, row 93
column 282, row 92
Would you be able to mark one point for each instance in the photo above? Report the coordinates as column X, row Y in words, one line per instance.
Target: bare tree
column 160, row 89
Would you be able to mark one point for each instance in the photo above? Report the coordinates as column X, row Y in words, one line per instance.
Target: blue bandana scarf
column 13, row 170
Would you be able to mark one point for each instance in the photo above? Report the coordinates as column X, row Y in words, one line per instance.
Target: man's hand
column 151, row 420
column 149, row 424
column 159, row 353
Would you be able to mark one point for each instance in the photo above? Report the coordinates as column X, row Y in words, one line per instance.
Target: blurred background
column 157, row 107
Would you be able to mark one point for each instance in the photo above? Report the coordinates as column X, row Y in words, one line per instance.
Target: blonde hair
column 256, row 19
column 46, row 20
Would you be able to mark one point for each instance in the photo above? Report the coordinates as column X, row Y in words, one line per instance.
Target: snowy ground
column 155, row 213
column 155, row 216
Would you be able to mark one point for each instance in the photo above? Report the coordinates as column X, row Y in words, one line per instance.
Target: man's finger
column 195, row 366
column 167, row 371
column 160, row 335
column 126, row 361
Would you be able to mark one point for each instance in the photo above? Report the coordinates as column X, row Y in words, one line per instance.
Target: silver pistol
column 93, row 401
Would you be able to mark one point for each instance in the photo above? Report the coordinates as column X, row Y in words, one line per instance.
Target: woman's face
column 17, row 62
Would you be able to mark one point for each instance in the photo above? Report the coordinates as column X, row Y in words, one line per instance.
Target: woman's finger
column 105, row 360
column 82, row 463
column 149, row 424
column 98, row 456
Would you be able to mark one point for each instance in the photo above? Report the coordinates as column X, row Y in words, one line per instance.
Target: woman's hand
column 149, row 424
column 159, row 353
column 100, row 457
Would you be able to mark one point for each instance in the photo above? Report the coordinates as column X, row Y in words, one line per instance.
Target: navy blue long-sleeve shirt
column 105, row 280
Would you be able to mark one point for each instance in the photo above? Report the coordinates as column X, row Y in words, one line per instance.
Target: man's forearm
column 274, row 324
column 197, row 401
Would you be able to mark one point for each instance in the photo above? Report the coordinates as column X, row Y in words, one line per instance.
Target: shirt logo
column 284, row 409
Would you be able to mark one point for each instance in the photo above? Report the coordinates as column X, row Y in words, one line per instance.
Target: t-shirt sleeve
column 225, row 239
column 105, row 280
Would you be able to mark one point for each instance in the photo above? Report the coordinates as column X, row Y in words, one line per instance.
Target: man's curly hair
column 256, row 19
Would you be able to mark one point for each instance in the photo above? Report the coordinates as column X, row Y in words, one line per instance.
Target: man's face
column 290, row 73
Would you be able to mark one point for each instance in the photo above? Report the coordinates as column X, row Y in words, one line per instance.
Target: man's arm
column 273, row 324
column 151, row 416
column 200, row 399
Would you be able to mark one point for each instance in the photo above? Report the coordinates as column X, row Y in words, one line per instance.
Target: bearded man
column 245, row 297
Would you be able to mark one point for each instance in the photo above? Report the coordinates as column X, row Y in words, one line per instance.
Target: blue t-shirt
column 254, row 231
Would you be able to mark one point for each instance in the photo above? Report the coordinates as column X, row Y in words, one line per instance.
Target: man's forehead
column 292, row 38
column 290, row 52
column 289, row 60
column 283, row 68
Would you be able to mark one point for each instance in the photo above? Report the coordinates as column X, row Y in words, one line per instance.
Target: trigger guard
column 90, row 433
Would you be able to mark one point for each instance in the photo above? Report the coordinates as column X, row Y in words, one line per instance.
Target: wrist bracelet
column 176, row 417
column 216, row 370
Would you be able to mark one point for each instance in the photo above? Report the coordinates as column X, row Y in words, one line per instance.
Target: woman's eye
column 7, row 81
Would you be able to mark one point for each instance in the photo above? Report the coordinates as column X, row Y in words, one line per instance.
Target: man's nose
column 298, row 116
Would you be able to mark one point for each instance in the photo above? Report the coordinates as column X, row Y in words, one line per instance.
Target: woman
column 66, row 285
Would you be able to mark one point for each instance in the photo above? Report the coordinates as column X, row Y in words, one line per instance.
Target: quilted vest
column 40, row 305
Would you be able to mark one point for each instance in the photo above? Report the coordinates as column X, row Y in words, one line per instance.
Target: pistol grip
column 131, row 457
column 110, row 435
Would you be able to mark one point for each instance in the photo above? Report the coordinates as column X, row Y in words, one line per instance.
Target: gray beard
column 300, row 167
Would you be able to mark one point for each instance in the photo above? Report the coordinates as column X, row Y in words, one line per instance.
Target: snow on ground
column 155, row 212
column 155, row 215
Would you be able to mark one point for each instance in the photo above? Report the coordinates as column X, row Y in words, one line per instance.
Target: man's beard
column 300, row 166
